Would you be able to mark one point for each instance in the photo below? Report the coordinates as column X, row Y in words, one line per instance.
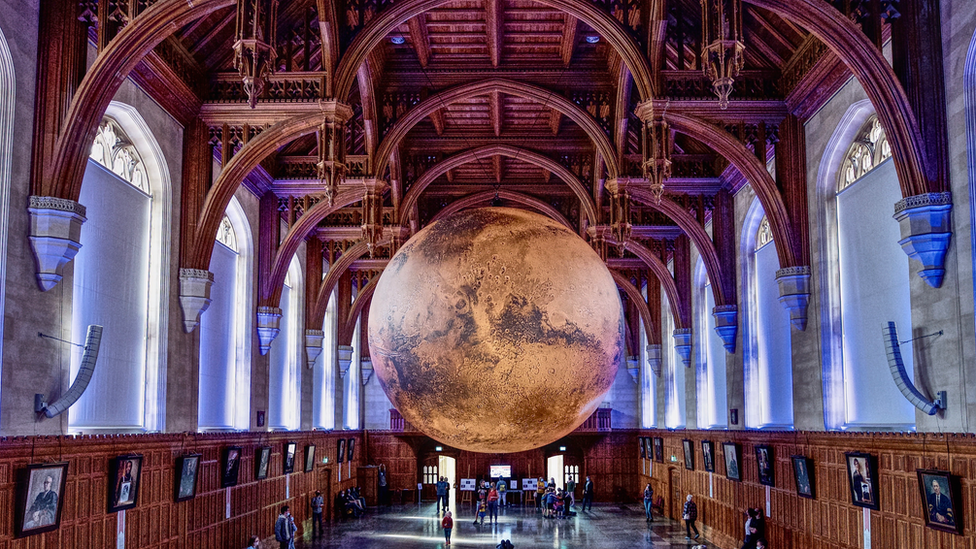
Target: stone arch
column 317, row 314
column 828, row 270
column 387, row 20
column 878, row 79
column 519, row 198
column 635, row 295
column 755, row 172
column 503, row 150
column 509, row 87
column 363, row 298
column 8, row 95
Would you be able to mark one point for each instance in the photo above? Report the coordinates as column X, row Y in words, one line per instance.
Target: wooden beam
column 497, row 166
column 620, row 115
column 569, row 38
column 418, row 37
column 329, row 31
column 437, row 119
column 213, row 32
column 659, row 39
column 494, row 19
column 450, row 176
column 555, row 118
column 495, row 111
column 546, row 175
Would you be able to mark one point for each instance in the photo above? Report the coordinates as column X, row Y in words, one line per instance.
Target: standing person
column 571, row 489
column 442, row 487
column 690, row 515
column 502, row 490
column 254, row 543
column 384, row 489
column 588, row 494
column 751, row 530
column 285, row 529
column 648, row 501
column 540, row 490
column 447, row 523
column 493, row 504
column 318, row 502
column 761, row 544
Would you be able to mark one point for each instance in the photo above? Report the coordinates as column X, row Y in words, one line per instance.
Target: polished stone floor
column 607, row 526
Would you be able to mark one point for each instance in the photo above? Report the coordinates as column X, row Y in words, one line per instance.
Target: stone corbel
column 55, row 236
column 313, row 346
column 654, row 358
column 682, row 345
column 195, row 287
column 345, row 359
column 633, row 368
column 925, row 226
column 726, row 325
column 794, row 293
column 269, row 322
column 366, row 369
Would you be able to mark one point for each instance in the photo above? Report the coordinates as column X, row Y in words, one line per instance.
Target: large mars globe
column 496, row 330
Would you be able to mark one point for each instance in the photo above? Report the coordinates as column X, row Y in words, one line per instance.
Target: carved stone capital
column 794, row 293
column 654, row 358
column 682, row 345
column 651, row 109
column 313, row 346
column 366, row 369
column 55, row 236
column 345, row 359
column 269, row 322
column 633, row 368
column 727, row 325
column 925, row 223
column 195, row 287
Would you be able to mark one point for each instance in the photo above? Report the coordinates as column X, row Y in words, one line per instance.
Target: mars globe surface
column 496, row 330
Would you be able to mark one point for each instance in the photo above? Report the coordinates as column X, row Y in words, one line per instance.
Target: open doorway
column 446, row 468
column 554, row 469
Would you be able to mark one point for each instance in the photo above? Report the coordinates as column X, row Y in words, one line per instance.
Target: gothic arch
column 509, row 87
column 487, row 151
column 878, row 79
column 8, row 94
column 476, row 199
column 363, row 298
column 635, row 295
column 384, row 22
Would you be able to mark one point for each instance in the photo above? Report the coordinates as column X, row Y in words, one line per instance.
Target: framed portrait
column 186, row 476
column 940, row 500
column 309, row 457
column 733, row 458
column 803, row 476
column 862, row 472
column 290, row 449
column 341, row 450
column 262, row 461
column 659, row 449
column 124, row 487
column 641, row 448
column 708, row 455
column 689, row 452
column 764, row 465
column 231, row 466
column 352, row 449
column 39, row 498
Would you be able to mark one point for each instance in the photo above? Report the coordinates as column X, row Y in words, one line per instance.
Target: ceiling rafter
column 419, row 39
column 494, row 27
column 568, row 38
column 495, row 112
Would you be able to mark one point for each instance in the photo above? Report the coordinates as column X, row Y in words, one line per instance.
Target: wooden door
column 675, row 499
column 429, row 473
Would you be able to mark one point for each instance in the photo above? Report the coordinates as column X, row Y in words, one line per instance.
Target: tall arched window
column 324, row 386
column 673, row 371
column 8, row 94
column 767, row 348
column 648, row 381
column 710, row 371
column 865, row 277
column 119, row 277
column 284, row 387
column 225, row 341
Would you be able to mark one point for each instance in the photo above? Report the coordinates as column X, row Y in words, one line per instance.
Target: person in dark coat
column 588, row 494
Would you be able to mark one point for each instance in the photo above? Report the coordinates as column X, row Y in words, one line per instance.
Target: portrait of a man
column 290, row 449
column 689, row 452
column 803, row 475
column 764, row 465
column 186, row 468
column 731, row 451
column 309, row 458
column 125, row 488
column 937, row 500
column 659, row 449
column 861, row 470
column 40, row 498
column 232, row 464
column 263, row 459
column 708, row 452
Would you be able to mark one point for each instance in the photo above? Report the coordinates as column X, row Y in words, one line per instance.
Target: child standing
column 447, row 523
column 482, row 508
